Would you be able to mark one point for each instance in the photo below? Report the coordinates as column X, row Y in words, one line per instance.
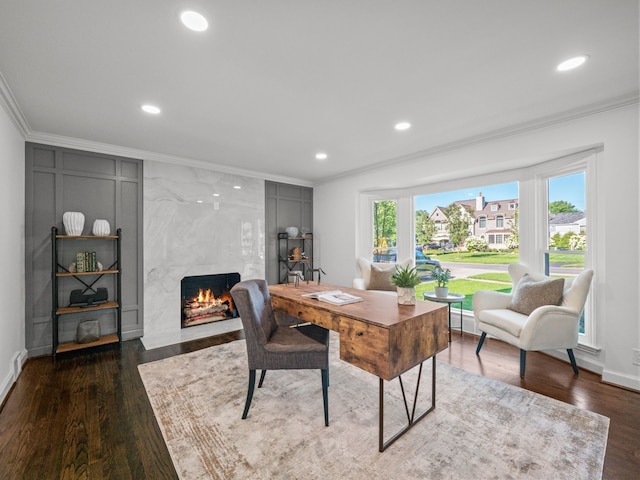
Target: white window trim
column 531, row 213
column 580, row 162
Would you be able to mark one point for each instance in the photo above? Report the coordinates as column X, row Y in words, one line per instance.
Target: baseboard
column 15, row 368
column 583, row 361
column 621, row 380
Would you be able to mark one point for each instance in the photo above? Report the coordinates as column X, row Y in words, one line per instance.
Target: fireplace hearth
column 207, row 298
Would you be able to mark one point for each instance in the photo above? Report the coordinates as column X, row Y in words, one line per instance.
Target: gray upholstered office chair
column 271, row 346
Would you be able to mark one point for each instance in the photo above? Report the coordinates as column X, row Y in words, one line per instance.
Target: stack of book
column 86, row 262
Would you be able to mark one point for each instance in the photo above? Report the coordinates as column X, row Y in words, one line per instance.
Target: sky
column 568, row 187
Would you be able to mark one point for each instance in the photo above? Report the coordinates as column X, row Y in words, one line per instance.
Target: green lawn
column 494, row 276
column 497, row 281
column 477, row 257
column 467, row 286
column 567, row 260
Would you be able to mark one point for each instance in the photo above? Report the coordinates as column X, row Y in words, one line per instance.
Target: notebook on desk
column 336, row 297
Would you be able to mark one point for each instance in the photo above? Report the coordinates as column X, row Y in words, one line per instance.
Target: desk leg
column 411, row 418
column 449, row 305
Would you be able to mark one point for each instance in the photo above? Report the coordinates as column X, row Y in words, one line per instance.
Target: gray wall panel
column 132, row 281
column 60, row 180
column 87, row 162
column 44, row 158
column 286, row 206
column 130, row 169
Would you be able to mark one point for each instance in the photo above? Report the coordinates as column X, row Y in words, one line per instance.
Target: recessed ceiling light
column 151, row 109
column 572, row 63
column 216, row 194
column 402, row 126
column 194, row 21
column 199, row 201
column 237, row 187
column 321, row 156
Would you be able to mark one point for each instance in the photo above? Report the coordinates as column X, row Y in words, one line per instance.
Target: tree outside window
column 385, row 225
column 458, row 218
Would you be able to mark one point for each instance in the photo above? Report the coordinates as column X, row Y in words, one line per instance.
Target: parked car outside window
column 425, row 264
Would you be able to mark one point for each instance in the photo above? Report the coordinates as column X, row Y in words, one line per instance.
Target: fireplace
column 207, row 298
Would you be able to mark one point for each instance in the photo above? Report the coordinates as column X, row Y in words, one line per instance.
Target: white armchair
column 547, row 327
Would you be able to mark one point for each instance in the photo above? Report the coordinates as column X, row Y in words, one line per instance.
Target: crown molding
column 10, row 105
column 511, row 131
column 117, row 150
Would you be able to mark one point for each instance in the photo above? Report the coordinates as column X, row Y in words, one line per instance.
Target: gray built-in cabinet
column 286, row 206
column 101, row 187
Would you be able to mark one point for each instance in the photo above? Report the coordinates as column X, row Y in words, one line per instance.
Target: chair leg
column 523, row 361
column 252, row 382
column 482, row 337
column 573, row 361
column 264, row 372
column 325, row 394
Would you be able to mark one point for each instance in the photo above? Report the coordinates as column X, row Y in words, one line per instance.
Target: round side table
column 449, row 299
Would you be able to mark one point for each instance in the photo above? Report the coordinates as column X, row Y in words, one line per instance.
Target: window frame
column 581, row 162
column 531, row 205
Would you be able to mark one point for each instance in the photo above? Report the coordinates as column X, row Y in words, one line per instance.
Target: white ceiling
column 270, row 83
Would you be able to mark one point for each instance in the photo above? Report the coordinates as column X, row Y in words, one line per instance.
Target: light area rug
column 480, row 429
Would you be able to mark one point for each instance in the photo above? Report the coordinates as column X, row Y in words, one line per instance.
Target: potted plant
column 405, row 280
column 442, row 277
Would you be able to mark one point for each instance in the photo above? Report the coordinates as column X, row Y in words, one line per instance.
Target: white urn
column 101, row 228
column 73, row 223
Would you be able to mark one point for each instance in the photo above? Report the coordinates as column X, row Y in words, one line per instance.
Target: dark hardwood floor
column 87, row 415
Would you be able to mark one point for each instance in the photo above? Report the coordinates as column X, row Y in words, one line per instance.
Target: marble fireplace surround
column 189, row 231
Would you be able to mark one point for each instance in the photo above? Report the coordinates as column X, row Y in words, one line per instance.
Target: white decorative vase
column 406, row 296
column 101, row 228
column 291, row 231
column 73, row 223
column 442, row 292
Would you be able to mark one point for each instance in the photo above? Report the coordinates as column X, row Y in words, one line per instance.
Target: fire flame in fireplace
column 207, row 297
column 205, row 304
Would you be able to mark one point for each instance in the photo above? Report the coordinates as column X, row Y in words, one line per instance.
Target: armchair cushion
column 530, row 294
column 364, row 281
column 381, row 277
column 506, row 320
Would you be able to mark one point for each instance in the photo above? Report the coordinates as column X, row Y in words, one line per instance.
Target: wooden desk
column 376, row 335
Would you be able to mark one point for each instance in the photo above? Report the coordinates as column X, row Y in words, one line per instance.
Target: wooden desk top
column 376, row 308
column 377, row 334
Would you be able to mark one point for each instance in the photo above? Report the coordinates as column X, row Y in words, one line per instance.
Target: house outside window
column 499, row 221
column 482, row 222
